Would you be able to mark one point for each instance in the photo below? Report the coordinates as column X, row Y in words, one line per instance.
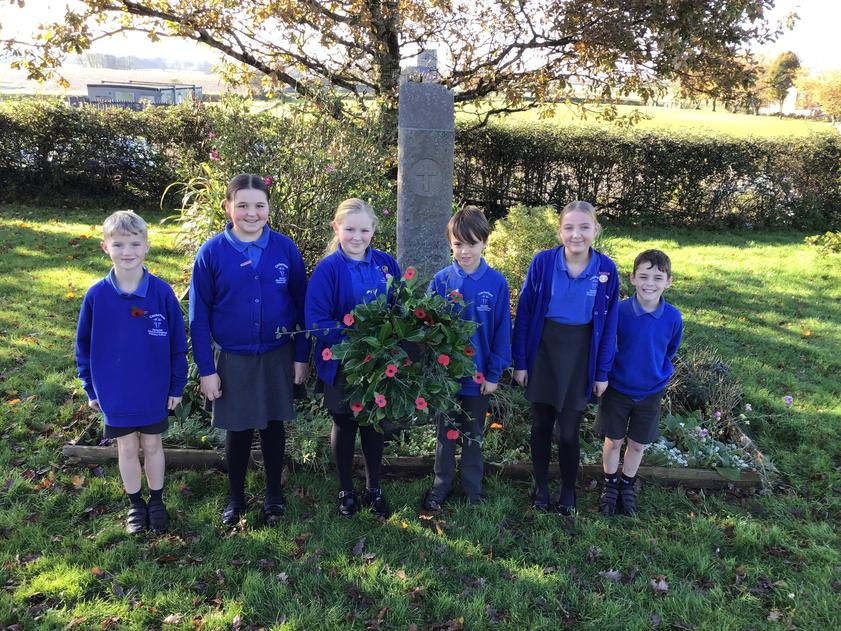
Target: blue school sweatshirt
column 330, row 297
column 131, row 350
column 242, row 307
column 646, row 345
column 533, row 306
column 487, row 302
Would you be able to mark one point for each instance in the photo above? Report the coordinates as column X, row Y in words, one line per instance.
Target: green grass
column 702, row 122
column 731, row 561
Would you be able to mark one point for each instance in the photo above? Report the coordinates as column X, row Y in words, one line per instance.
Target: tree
column 504, row 55
column 823, row 91
column 735, row 85
column 781, row 75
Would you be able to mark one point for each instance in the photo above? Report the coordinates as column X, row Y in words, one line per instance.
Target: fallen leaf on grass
column 775, row 616
column 456, row 624
column 283, row 578
column 612, row 575
column 659, row 584
column 78, row 621
column 174, row 618
column 655, row 620
column 109, row 622
column 593, row 553
column 166, row 558
column 764, row 585
column 78, row 481
column 359, row 547
column 236, row 622
column 101, row 574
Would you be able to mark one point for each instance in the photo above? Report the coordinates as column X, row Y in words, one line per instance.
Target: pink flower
column 452, row 434
column 410, row 273
column 348, row 319
column 390, row 370
column 479, row 378
column 455, row 294
column 211, row 135
column 406, row 362
column 368, row 358
column 214, row 155
column 444, row 359
column 356, row 407
column 469, row 351
column 268, row 180
column 420, row 313
column 420, row 403
column 788, row 400
column 327, row 354
column 380, row 400
column 386, row 212
column 330, row 169
column 717, row 415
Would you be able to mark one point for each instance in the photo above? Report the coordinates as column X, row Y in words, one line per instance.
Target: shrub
column 703, row 382
column 827, row 243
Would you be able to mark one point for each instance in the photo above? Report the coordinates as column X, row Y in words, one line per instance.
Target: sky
column 814, row 37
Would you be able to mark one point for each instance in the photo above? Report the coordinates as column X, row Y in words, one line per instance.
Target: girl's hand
column 302, row 371
column 211, row 387
column 521, row 377
column 599, row 387
column 488, row 388
column 93, row 403
column 172, row 402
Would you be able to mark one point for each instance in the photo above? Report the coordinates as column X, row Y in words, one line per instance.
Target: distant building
column 143, row 92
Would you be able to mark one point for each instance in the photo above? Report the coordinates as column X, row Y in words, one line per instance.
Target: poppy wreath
column 403, row 356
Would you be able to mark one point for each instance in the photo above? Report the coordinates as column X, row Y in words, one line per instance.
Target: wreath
column 405, row 353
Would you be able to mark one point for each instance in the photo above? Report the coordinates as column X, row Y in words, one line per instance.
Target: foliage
column 546, row 50
column 311, row 163
column 404, row 356
column 652, row 178
column 703, row 381
column 828, row 242
column 781, row 75
column 823, row 91
column 699, row 447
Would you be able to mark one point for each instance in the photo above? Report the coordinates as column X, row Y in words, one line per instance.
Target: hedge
column 654, row 178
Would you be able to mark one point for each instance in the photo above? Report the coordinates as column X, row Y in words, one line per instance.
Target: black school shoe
column 566, row 503
column 609, row 499
column 273, row 512
column 627, row 499
column 138, row 518
column 431, row 504
column 348, row 503
column 158, row 516
column 375, row 500
column 232, row 513
column 540, row 501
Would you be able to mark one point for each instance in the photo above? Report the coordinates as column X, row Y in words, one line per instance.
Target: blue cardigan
column 240, row 306
column 534, row 302
column 329, row 298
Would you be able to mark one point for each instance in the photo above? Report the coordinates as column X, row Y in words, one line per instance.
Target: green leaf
column 729, row 472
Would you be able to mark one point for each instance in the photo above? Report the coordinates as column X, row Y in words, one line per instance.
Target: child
column 131, row 350
column 647, row 340
column 350, row 273
column 564, row 341
column 248, row 284
column 485, row 295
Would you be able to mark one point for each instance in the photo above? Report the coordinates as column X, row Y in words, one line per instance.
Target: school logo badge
column 282, row 273
column 158, row 325
column 603, row 277
column 484, row 300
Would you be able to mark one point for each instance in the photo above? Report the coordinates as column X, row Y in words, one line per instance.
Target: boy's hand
column 488, row 387
column 211, row 386
column 172, row 402
column 599, row 387
column 521, row 377
column 302, row 371
column 93, row 403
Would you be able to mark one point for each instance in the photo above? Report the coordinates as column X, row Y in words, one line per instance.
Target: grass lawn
column 768, row 303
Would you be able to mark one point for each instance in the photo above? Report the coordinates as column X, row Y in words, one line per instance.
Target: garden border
column 410, row 466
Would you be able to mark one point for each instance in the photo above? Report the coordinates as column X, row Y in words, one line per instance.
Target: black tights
column 343, row 442
column 569, row 448
column 238, row 451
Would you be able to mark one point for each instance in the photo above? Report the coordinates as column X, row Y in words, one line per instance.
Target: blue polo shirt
column 486, row 301
column 573, row 298
column 131, row 350
column 367, row 279
column 251, row 249
column 646, row 345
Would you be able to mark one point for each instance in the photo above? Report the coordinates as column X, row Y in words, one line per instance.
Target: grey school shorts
column 620, row 416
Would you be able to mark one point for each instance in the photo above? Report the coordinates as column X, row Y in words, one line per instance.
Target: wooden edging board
column 420, row 466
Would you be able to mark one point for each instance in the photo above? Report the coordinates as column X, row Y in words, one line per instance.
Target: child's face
column 650, row 283
column 127, row 251
column 468, row 255
column 249, row 212
column 577, row 232
column 355, row 234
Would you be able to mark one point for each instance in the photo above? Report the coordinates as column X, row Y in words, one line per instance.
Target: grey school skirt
column 256, row 389
column 559, row 376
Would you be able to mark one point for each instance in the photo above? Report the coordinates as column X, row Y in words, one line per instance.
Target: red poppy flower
column 479, row 378
column 420, row 403
column 469, row 351
column 137, row 312
column 455, row 294
column 444, row 359
column 348, row 319
column 327, row 354
column 356, row 406
column 390, row 370
column 368, row 358
column 380, row 400
column 452, row 434
column 410, row 273
column 420, row 313
column 268, row 180
column 406, row 362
